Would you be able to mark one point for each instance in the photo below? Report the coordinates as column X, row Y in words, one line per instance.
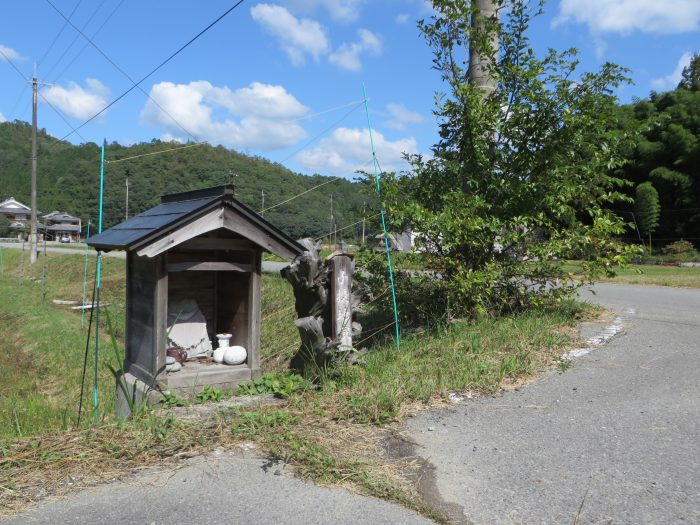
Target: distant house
column 56, row 225
column 398, row 242
column 60, row 225
column 18, row 214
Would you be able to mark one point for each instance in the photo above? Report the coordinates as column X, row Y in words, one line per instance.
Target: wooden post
column 254, row 315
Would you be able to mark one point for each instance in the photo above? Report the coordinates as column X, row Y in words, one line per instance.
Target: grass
column 651, row 275
column 659, row 275
column 333, row 434
column 43, row 345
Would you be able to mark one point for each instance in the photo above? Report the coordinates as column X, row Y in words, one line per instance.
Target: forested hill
column 68, row 180
column 665, row 152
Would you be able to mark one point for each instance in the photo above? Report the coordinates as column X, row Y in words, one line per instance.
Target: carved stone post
column 342, row 267
column 324, row 306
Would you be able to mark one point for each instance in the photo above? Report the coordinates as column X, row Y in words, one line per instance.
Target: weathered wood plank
column 211, row 221
column 209, row 267
column 246, row 228
column 217, row 243
column 161, row 312
column 254, row 314
column 193, row 376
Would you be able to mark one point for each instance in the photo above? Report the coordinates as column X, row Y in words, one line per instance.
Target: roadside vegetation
column 506, row 198
column 332, row 427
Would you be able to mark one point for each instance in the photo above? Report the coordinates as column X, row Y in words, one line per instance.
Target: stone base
column 187, row 384
column 131, row 392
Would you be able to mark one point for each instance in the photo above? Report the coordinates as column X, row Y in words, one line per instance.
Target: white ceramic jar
column 235, row 355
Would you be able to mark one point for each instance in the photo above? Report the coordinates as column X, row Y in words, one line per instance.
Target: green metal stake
column 95, row 397
column 82, row 317
column 381, row 211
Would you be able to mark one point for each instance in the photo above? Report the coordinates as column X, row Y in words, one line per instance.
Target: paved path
column 267, row 266
column 621, row 428
column 218, row 489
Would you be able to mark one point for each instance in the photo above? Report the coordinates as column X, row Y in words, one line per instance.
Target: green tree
column 4, row 226
column 691, row 74
column 646, row 205
column 520, row 178
column 667, row 153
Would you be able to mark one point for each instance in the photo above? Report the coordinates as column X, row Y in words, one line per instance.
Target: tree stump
column 324, row 306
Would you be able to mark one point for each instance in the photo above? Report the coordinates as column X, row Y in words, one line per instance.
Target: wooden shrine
column 204, row 247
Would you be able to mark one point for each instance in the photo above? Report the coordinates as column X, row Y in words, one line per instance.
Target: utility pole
column 126, row 214
column 364, row 205
column 262, row 204
column 330, row 226
column 33, row 226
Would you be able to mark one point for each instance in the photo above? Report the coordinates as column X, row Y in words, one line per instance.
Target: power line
column 300, row 194
column 314, row 115
column 319, row 135
column 66, row 21
column 58, row 35
column 121, row 71
column 41, row 60
column 155, row 152
column 182, row 48
column 310, row 189
column 9, row 61
column 80, row 52
column 61, row 115
column 351, row 225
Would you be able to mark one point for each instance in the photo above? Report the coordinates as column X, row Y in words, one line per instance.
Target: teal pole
column 95, row 397
column 87, row 236
column 381, row 211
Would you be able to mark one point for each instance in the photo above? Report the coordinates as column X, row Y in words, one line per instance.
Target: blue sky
column 283, row 80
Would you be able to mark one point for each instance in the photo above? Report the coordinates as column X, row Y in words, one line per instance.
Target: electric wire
column 75, row 38
column 314, row 115
column 325, row 130
column 60, row 114
column 336, row 108
column 118, row 68
column 350, row 225
column 159, row 66
column 58, row 35
column 9, row 61
column 300, row 194
column 381, row 211
column 87, row 348
column 80, row 52
column 156, row 152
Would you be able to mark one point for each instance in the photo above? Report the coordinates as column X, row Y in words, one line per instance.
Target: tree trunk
column 483, row 55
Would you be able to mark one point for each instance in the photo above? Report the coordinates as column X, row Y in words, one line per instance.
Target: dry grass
column 335, row 435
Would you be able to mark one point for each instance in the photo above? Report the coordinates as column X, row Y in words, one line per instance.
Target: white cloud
column 2, row 118
column 401, row 116
column 625, row 16
column 257, row 116
column 672, row 80
column 401, row 19
column 77, row 101
column 10, row 54
column 347, row 149
column 348, row 55
column 298, row 37
column 339, row 10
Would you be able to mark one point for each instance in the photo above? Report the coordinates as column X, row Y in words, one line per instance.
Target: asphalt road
column 267, row 266
column 617, row 435
column 217, row 489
